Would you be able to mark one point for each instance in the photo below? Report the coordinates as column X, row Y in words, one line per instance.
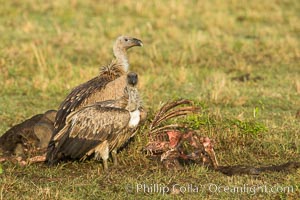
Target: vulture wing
column 87, row 128
column 103, row 87
column 77, row 96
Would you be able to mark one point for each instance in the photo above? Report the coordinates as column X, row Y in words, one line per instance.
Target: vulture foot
column 114, row 157
column 105, row 166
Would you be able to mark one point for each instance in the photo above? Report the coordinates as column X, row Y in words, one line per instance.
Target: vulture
column 108, row 85
column 29, row 136
column 100, row 128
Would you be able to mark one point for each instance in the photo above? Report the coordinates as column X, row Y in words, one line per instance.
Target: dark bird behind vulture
column 100, row 128
column 29, row 137
column 108, row 85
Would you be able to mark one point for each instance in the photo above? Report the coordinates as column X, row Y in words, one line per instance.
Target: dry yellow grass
column 192, row 49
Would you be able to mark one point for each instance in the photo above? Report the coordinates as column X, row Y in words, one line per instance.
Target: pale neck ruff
column 134, row 119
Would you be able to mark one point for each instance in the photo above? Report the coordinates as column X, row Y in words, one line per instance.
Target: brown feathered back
column 108, row 85
column 89, row 127
column 113, row 90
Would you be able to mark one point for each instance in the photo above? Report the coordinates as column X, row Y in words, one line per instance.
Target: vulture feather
column 100, row 128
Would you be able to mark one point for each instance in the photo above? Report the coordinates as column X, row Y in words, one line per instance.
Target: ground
column 193, row 49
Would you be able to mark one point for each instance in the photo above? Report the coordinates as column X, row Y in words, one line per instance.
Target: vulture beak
column 137, row 42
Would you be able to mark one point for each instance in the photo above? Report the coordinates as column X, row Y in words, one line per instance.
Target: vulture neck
column 121, row 57
column 132, row 99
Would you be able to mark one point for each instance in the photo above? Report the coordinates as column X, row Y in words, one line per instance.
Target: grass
column 192, row 49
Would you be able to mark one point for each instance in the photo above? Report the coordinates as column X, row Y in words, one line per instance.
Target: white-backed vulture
column 108, row 85
column 99, row 128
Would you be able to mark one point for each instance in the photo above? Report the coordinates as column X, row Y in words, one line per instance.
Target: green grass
column 192, row 49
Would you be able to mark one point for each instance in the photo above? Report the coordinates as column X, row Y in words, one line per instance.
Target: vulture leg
column 114, row 156
column 87, row 155
column 102, row 151
column 105, row 166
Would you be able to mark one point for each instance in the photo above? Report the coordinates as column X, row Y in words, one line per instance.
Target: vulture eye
column 126, row 39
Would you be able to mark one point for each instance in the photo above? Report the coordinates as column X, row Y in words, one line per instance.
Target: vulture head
column 126, row 42
column 131, row 92
column 120, row 47
column 132, row 78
